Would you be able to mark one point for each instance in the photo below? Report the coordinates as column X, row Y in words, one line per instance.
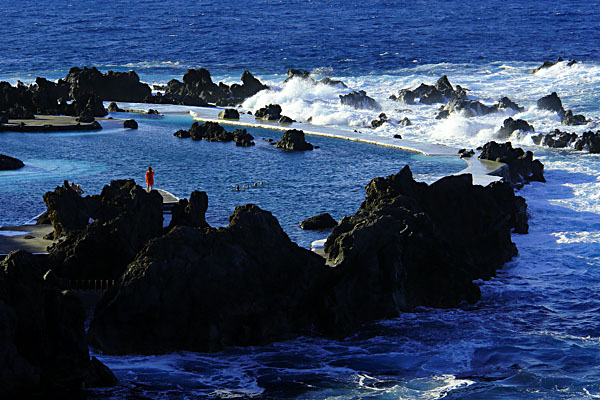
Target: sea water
column 535, row 334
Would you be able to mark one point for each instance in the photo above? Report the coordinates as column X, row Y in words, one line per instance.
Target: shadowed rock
column 42, row 339
column 412, row 244
column 125, row 218
column 571, row 119
column 190, row 213
column 202, row 290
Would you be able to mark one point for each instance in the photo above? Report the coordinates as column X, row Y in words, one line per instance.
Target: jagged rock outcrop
column 589, row 141
column 510, row 125
column 359, row 100
column 229, row 113
column 213, row 132
column 522, row 168
column 210, row 131
column 293, row 140
column 198, row 89
column 202, row 290
column 555, row 139
column 305, row 75
column 551, row 102
column 116, row 86
column 412, row 244
column 42, row 341
column 441, row 92
column 382, row 119
column 125, row 217
column 548, row 64
column 9, row 163
column 190, row 212
column 249, row 87
column 242, row 138
column 472, row 108
column 571, row 119
column 318, row 222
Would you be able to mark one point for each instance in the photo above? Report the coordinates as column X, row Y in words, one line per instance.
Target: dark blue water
column 268, row 36
column 296, row 185
column 536, row 332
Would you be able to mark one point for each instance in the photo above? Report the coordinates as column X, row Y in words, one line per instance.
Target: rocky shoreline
column 193, row 287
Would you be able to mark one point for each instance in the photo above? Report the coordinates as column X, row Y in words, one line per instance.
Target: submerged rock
column 10, row 163
column 293, row 139
column 321, row 221
column 359, row 100
column 522, row 168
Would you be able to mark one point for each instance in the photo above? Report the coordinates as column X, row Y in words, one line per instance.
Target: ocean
column 535, row 334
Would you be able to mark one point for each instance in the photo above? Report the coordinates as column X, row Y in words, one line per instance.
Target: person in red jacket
column 149, row 179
